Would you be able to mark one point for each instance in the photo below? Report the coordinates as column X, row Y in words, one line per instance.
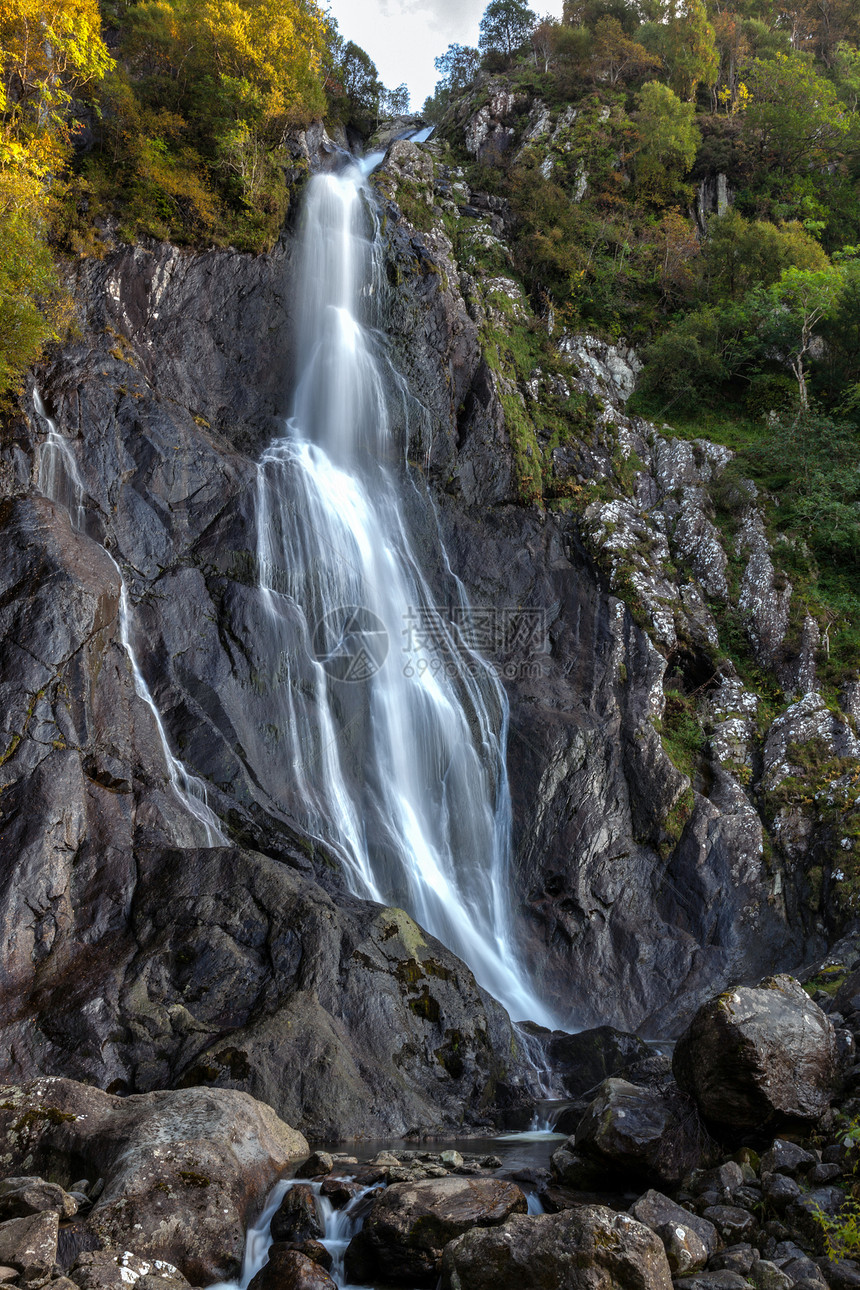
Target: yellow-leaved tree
column 49, row 49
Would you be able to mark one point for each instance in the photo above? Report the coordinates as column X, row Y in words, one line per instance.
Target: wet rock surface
column 408, row 1227
column 753, row 1056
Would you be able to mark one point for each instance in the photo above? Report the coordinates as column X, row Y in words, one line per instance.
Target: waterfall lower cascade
column 400, row 768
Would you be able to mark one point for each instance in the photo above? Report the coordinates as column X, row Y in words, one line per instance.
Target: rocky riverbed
column 732, row 1162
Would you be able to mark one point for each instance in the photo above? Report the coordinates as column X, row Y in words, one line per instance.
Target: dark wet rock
column 295, row 1219
column 734, row 1258
column 725, row 1179
column 30, row 1244
column 589, row 1248
column 765, row 1275
column 648, row 1132
column 707, row 1280
column 732, row 1222
column 787, row 1158
column 21, row 1196
column 755, row 1055
column 584, row 1060
column 840, row 1274
column 779, row 1190
column 411, row 1223
column 289, row 1269
column 572, row 1169
column 316, row 1165
column 655, row 1210
column 823, row 1173
column 184, row 1170
column 339, row 1191
column 316, row 1252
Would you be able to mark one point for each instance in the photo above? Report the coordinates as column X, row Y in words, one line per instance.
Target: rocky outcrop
column 588, row 1248
column 184, row 1171
column 753, row 1056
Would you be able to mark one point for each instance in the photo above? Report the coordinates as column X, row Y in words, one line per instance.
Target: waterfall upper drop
column 400, row 768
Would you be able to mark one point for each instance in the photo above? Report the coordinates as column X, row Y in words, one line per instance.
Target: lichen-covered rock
column 116, row 1269
column 21, row 1196
column 183, row 1170
column 587, row 1248
column 656, row 1210
column 289, row 1269
column 410, row 1224
column 755, row 1055
column 30, row 1244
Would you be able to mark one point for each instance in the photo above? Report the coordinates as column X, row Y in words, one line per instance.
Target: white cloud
column 404, row 36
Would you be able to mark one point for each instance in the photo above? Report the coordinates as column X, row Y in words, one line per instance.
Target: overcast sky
column 404, row 36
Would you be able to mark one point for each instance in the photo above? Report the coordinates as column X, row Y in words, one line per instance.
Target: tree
column 396, row 102
column 505, row 27
column 49, row 51
column 669, row 139
column 800, row 302
column 616, row 57
column 543, row 41
column 740, row 254
column 458, row 66
column 794, row 114
column 690, row 48
column 360, row 78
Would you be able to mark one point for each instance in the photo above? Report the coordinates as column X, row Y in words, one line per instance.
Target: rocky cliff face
column 644, row 875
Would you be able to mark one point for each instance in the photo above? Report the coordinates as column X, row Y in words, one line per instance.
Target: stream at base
column 519, row 1153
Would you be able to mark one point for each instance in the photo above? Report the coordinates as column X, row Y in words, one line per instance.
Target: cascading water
column 60, row 480
column 400, row 768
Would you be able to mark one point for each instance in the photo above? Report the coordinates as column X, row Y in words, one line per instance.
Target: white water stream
column 400, row 768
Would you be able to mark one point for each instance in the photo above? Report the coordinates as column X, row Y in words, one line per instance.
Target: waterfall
column 59, row 479
column 399, row 767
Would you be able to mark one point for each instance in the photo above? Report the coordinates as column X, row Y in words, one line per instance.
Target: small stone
column 823, row 1173
column 767, row 1276
column 724, row 1180
column 786, row 1158
column 317, row 1253
column 386, row 1158
column 316, row 1165
column 685, row 1250
column 732, row 1222
column 7, row 1274
column 747, row 1197
column 780, row 1190
column 436, row 1171
column 81, row 1185
column 708, row 1280
column 339, row 1191
column 22, row 1196
column 735, row 1258
column 491, row 1162
column 452, row 1159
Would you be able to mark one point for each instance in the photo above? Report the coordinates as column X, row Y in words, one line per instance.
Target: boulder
column 184, row 1171
column 578, row 1171
column 339, row 1191
column 650, row 1132
column 588, row 1248
column 30, row 1244
column 316, row 1165
column 410, row 1224
column 787, row 1158
column 583, row 1060
column 654, row 1210
column 722, row 1280
column 755, row 1055
column 289, row 1269
column 21, row 1196
column 114, row 1269
column 296, row 1217
column 732, row 1222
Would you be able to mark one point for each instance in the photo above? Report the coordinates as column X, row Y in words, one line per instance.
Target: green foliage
column 505, row 27
column 689, row 48
column 669, row 140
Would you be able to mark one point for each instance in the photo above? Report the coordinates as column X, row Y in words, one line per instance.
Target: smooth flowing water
column 400, row 767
